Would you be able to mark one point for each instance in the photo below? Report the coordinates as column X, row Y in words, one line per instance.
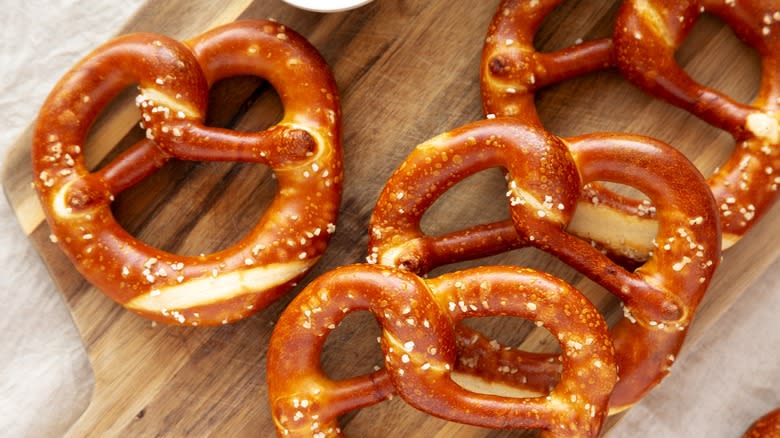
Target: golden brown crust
column 545, row 179
column 418, row 317
column 767, row 426
column 304, row 150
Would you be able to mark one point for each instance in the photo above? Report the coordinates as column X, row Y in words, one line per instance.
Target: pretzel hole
column 476, row 200
column 515, row 333
column 711, row 41
column 192, row 208
column 352, row 349
column 620, row 189
column 571, row 21
column 510, row 377
column 258, row 104
column 596, row 102
column 189, row 208
column 111, row 124
column 391, row 415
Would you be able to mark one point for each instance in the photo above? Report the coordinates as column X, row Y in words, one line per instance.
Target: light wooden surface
column 407, row 70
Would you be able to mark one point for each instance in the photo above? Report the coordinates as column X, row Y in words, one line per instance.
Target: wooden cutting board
column 407, row 70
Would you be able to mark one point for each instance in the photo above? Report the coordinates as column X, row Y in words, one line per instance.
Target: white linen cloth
column 45, row 378
column 717, row 388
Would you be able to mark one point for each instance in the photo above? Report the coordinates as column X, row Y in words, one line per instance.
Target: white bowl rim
column 327, row 5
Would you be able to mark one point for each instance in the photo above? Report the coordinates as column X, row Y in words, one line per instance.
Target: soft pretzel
column 647, row 34
column 546, row 175
column 418, row 339
column 767, row 426
column 304, row 150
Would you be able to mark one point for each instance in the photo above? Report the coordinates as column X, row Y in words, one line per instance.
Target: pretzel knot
column 513, row 70
column 303, row 149
column 546, row 176
column 417, row 317
column 647, row 34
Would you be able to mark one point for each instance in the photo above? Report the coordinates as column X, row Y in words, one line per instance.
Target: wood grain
column 407, row 70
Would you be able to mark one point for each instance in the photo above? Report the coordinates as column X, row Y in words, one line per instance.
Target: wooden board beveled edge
column 16, row 182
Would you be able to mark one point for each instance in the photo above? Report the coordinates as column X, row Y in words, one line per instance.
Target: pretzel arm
column 310, row 113
column 360, row 392
column 467, row 244
column 573, row 61
column 673, row 84
column 132, row 166
column 475, row 242
column 513, row 70
column 275, row 147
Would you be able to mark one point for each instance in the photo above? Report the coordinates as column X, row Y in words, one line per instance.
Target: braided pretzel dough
column 647, row 34
column 545, row 181
column 304, row 150
column 767, row 426
column 418, row 340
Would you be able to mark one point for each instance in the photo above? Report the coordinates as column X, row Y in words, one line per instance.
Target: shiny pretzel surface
column 546, row 176
column 303, row 149
column 417, row 317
